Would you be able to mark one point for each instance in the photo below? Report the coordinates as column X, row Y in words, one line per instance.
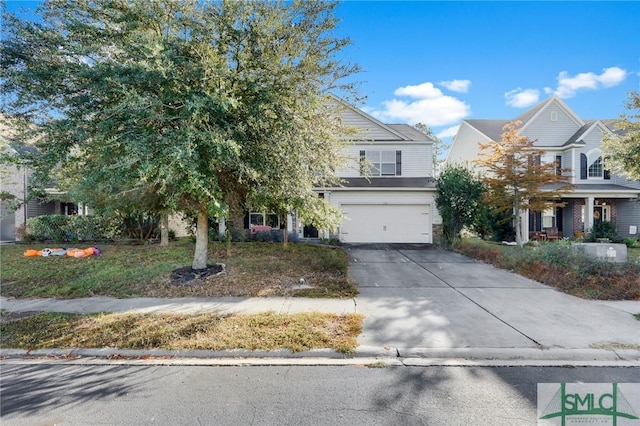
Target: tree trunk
column 164, row 230
column 228, row 238
column 516, row 222
column 202, row 241
column 285, row 233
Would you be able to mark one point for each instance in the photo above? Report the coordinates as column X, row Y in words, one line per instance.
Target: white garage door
column 386, row 223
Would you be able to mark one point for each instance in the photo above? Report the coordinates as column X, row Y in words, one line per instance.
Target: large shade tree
column 207, row 103
column 621, row 150
column 516, row 179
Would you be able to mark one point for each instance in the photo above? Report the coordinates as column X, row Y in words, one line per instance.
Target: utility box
column 608, row 252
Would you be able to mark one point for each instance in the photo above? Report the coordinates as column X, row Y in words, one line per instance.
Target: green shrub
column 49, row 227
column 631, row 242
column 603, row 229
column 61, row 228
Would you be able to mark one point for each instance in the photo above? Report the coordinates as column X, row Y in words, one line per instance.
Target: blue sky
column 441, row 62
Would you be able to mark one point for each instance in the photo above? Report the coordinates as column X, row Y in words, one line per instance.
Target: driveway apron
column 430, row 298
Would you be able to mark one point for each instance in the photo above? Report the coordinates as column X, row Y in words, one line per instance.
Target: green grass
column 633, row 254
column 266, row 331
column 253, row 269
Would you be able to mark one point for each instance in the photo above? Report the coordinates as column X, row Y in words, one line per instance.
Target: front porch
column 578, row 216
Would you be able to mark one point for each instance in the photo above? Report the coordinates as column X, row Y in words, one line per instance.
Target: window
column 549, row 218
column 596, row 169
column 553, row 116
column 262, row 219
column 558, row 165
column 256, row 219
column 381, row 163
column 592, row 165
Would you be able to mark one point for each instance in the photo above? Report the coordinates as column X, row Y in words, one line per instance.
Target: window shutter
column 362, row 159
column 607, row 174
column 398, row 163
column 583, row 166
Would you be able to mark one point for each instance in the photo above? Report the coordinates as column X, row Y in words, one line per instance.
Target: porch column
column 588, row 219
column 524, row 222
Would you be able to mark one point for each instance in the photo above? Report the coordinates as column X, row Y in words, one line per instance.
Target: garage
column 386, row 223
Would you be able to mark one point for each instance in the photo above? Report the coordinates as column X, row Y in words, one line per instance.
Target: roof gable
column 371, row 129
column 529, row 117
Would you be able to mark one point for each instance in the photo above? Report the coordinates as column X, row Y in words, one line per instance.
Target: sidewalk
column 420, row 307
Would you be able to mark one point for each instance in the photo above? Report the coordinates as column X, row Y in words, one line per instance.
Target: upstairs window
column 596, row 170
column 381, row 163
column 592, row 166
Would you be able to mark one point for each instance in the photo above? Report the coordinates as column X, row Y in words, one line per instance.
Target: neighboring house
column 572, row 143
column 14, row 182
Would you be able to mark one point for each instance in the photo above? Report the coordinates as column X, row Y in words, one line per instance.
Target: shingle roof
column 603, row 187
column 576, row 136
column 389, row 182
column 491, row 128
column 599, row 187
column 410, row 132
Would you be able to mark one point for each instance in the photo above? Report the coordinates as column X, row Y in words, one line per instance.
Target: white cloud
column 522, row 98
column 449, row 132
column 612, row 76
column 568, row 86
column 427, row 104
column 421, row 91
column 461, row 86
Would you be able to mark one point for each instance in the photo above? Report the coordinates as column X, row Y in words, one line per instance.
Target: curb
column 365, row 355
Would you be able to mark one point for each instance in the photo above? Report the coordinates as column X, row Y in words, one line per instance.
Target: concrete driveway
column 421, row 297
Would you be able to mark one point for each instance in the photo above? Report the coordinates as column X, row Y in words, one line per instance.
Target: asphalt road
column 50, row 393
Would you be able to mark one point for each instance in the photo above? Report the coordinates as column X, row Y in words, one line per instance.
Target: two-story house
column 388, row 195
column 569, row 142
column 388, row 190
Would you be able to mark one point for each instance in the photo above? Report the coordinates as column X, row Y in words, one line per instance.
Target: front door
column 310, row 231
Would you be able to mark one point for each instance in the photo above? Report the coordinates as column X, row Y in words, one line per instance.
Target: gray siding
column 592, row 140
column 628, row 213
column 551, row 133
column 621, row 180
column 36, row 207
column 567, row 219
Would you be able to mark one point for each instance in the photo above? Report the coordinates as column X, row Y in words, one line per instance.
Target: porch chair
column 553, row 234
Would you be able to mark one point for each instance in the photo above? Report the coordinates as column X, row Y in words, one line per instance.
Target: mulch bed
column 186, row 275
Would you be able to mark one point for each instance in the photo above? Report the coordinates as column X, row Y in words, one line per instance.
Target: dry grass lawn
column 267, row 331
